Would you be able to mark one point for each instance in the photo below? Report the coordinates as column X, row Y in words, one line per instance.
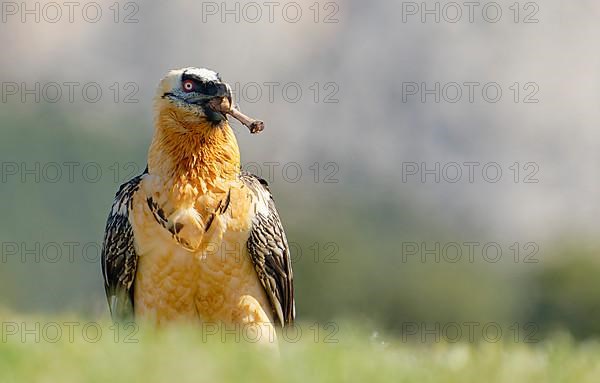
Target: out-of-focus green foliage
column 185, row 355
column 568, row 294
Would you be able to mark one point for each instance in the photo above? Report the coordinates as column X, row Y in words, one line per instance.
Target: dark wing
column 270, row 252
column 119, row 259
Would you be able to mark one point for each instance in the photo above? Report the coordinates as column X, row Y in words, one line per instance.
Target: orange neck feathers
column 193, row 155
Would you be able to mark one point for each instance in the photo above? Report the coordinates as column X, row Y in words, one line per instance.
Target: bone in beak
column 224, row 106
column 255, row 126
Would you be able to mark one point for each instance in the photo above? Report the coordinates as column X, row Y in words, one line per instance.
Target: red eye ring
column 188, row 85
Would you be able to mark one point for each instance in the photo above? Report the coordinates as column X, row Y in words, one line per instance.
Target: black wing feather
column 270, row 253
column 119, row 258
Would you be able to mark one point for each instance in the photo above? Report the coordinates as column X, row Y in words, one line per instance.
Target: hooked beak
column 215, row 105
column 220, row 90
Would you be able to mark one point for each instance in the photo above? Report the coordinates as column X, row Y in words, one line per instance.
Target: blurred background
column 432, row 163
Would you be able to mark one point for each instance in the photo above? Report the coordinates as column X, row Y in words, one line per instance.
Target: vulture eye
column 188, row 85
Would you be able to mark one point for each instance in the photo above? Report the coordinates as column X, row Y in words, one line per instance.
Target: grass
column 181, row 354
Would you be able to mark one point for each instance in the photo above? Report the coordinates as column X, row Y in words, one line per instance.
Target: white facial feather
column 207, row 74
column 172, row 81
column 204, row 73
